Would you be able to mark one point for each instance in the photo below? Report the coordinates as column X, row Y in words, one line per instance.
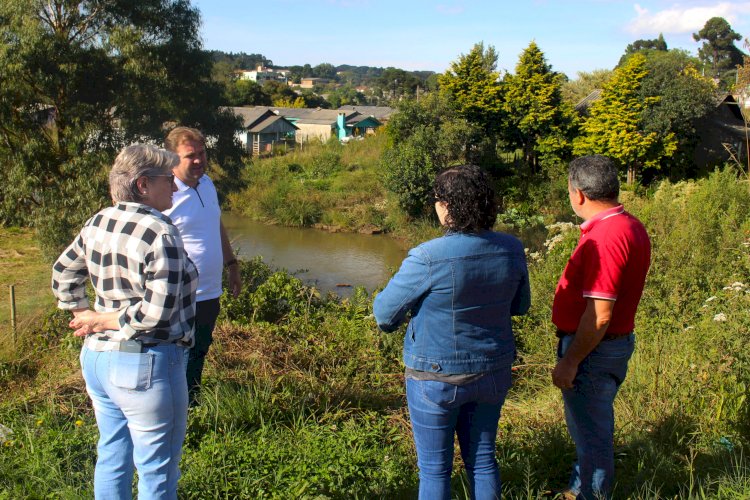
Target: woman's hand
column 85, row 321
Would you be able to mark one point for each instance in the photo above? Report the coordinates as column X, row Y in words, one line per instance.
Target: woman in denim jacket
column 461, row 290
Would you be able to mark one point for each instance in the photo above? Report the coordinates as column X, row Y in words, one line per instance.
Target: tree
column 427, row 136
column 718, row 50
column 279, row 91
column 684, row 97
column 81, row 78
column 346, row 94
column 615, row 126
column 246, row 93
column 657, row 44
column 324, row 70
column 398, row 83
column 538, row 121
column 474, row 85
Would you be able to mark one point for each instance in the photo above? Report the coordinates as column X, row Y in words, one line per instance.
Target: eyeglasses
column 169, row 176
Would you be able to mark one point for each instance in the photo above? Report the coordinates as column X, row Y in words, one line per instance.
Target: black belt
column 607, row 336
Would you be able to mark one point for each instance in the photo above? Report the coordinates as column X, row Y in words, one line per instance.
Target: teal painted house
column 322, row 124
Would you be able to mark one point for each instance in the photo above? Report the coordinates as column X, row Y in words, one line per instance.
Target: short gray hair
column 133, row 162
column 596, row 176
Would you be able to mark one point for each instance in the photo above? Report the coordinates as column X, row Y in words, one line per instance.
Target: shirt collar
column 604, row 214
column 182, row 187
column 133, row 206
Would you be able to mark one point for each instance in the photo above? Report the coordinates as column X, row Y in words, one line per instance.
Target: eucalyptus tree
column 539, row 121
column 81, row 78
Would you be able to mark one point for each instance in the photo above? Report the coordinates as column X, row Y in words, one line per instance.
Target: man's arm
column 235, row 280
column 591, row 328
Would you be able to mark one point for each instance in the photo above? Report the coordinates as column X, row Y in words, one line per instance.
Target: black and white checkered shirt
column 134, row 257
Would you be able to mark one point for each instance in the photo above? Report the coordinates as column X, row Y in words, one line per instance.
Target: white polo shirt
column 196, row 213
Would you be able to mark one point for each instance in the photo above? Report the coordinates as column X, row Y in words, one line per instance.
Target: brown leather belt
column 607, row 336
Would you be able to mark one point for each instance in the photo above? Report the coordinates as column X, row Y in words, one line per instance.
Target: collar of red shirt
column 604, row 214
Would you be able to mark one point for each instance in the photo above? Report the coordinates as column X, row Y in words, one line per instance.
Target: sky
column 574, row 35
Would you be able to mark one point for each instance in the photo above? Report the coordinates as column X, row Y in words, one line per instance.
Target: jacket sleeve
column 402, row 293
column 522, row 299
column 69, row 276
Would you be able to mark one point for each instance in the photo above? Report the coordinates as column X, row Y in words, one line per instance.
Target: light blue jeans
column 140, row 402
column 590, row 415
column 438, row 411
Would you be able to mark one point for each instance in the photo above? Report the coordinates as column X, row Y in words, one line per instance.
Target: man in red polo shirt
column 594, row 311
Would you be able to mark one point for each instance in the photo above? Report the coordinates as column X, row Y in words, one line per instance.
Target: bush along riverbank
column 332, row 186
column 303, row 396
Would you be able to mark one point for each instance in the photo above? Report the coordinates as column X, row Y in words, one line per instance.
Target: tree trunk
column 631, row 174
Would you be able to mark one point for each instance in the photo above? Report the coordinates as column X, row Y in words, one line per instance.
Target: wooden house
column 262, row 129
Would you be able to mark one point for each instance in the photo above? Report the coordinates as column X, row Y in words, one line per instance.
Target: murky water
column 325, row 260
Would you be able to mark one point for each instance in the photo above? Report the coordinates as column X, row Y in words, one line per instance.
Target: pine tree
column 538, row 121
column 474, row 86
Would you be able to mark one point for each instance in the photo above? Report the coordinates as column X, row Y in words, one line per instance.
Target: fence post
column 13, row 312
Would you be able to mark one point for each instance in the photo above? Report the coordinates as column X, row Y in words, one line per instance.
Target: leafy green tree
column 81, row 78
column 246, row 93
column 313, row 100
column 398, row 83
column 684, row 98
column 324, row 70
column 539, row 122
column 278, row 91
column 615, row 125
column 346, row 94
column 474, row 85
column 426, row 136
column 657, row 44
column 718, row 51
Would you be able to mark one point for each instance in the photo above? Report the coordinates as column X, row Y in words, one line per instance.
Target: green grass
column 21, row 265
column 327, row 184
column 303, row 397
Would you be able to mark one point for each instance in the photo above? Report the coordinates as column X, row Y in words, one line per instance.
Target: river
column 325, row 260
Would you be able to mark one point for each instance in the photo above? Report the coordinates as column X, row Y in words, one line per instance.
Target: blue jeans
column 140, row 402
column 590, row 415
column 438, row 411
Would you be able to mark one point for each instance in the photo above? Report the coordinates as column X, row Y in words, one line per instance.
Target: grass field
column 303, row 397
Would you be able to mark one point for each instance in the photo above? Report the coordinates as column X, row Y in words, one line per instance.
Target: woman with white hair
column 133, row 355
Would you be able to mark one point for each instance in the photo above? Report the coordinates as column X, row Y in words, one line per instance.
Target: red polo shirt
column 610, row 262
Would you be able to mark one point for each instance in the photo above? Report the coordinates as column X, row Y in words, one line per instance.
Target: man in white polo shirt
column 196, row 213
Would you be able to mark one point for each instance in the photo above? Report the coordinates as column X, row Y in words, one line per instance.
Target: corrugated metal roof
column 273, row 124
column 584, row 104
column 379, row 112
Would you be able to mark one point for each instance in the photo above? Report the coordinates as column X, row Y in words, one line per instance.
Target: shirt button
column 435, row 366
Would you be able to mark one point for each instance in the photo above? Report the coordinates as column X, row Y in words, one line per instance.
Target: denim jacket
column 461, row 290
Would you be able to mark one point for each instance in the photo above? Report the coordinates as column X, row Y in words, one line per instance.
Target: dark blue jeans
column 590, row 415
column 206, row 313
column 439, row 411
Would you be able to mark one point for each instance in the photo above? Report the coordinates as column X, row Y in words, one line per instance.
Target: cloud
column 680, row 19
column 450, row 10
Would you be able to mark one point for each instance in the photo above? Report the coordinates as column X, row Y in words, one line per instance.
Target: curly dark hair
column 468, row 194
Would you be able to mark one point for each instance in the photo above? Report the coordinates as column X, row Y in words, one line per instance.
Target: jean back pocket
column 131, row 370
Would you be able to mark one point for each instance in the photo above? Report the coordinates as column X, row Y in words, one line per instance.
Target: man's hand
column 564, row 374
column 235, row 280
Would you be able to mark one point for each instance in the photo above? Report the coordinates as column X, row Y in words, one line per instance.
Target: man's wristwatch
column 231, row 262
